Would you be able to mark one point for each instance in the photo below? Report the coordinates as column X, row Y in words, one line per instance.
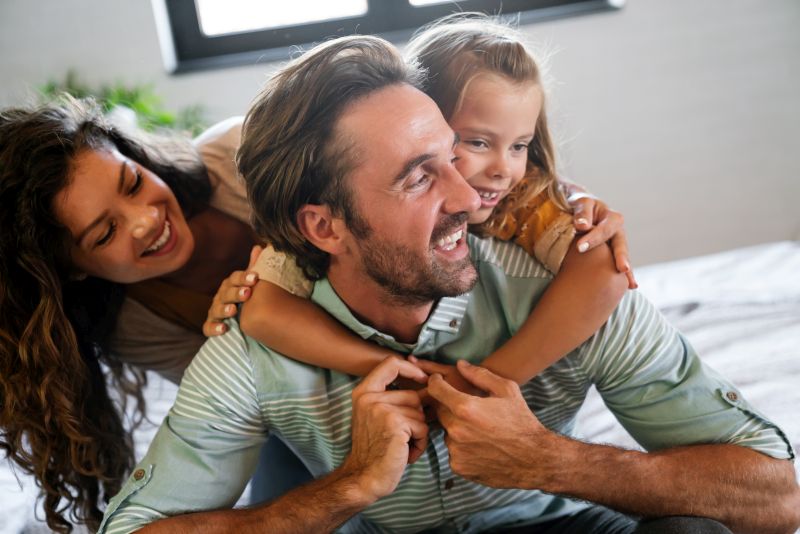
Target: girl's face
column 495, row 122
column 125, row 222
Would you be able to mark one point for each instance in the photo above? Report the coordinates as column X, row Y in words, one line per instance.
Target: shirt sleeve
column 207, row 447
column 282, row 270
column 653, row 381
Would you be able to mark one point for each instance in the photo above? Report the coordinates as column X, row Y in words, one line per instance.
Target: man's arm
column 388, row 431
column 498, row 441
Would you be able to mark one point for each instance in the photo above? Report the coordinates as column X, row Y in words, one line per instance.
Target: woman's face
column 126, row 224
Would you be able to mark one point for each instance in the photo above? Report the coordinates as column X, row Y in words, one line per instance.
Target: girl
column 489, row 88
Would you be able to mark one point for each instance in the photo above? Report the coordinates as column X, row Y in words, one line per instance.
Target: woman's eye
column 476, row 143
column 108, row 235
column 137, row 183
column 520, row 147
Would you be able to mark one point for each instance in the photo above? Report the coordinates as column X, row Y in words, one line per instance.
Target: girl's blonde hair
column 454, row 50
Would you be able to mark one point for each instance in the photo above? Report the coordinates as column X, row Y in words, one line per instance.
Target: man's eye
column 112, row 228
column 137, row 183
column 420, row 182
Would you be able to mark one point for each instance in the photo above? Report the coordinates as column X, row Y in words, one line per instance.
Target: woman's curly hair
column 59, row 419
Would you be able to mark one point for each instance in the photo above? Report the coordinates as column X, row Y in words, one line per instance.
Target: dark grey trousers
column 600, row 520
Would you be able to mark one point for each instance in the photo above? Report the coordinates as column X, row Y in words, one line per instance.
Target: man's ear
column 321, row 228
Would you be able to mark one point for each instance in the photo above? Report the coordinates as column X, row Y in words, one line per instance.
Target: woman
column 100, row 226
column 112, row 246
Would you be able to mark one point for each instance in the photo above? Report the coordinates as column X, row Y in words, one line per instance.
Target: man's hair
column 289, row 156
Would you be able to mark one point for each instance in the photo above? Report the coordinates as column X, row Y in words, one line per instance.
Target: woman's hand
column 235, row 289
column 600, row 224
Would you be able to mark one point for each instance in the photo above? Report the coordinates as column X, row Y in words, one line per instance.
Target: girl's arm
column 298, row 328
column 578, row 302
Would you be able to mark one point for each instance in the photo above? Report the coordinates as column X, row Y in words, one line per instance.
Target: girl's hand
column 600, row 223
column 233, row 290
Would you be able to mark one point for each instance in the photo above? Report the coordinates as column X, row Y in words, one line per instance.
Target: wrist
column 356, row 486
column 555, row 464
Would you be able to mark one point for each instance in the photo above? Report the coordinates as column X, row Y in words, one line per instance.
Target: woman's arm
column 579, row 300
column 298, row 328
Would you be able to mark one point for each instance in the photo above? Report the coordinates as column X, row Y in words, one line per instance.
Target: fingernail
column 230, row 308
column 220, row 328
column 243, row 292
column 581, row 221
column 250, row 278
column 583, row 247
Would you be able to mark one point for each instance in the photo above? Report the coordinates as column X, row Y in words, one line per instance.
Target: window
column 216, row 33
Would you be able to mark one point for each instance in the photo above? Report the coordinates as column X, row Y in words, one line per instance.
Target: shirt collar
column 446, row 316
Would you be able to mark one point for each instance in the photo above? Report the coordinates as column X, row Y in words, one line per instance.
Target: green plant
column 142, row 99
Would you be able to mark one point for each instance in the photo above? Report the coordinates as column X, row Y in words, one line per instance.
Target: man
column 349, row 167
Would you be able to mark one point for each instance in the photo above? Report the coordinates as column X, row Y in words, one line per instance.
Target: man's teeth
column 489, row 195
column 161, row 241
column 449, row 242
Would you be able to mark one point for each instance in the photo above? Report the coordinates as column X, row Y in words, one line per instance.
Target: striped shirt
column 236, row 391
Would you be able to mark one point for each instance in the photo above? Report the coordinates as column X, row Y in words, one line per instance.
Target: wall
column 683, row 114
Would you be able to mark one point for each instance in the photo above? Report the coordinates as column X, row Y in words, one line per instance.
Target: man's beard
column 410, row 278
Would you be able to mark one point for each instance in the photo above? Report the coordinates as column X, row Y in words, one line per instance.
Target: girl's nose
column 500, row 167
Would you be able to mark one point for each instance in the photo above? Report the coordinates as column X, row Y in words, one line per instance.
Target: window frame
column 192, row 50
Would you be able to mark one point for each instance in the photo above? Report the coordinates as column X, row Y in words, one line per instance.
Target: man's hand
column 388, row 429
column 491, row 439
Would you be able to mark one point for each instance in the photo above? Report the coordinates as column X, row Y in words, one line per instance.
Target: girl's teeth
column 488, row 195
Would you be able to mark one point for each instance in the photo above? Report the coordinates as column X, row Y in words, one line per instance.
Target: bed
column 740, row 309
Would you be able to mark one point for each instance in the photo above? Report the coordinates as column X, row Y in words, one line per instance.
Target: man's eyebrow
column 121, row 177
column 456, row 140
column 409, row 166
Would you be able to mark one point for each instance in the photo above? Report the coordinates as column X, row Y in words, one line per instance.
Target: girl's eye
column 137, row 183
column 476, row 143
column 112, row 228
column 520, row 147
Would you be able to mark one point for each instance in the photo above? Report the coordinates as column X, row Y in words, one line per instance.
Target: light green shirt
column 236, row 391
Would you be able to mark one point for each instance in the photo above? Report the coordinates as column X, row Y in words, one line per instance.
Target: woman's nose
column 143, row 221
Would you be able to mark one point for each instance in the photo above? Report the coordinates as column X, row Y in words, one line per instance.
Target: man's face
column 408, row 192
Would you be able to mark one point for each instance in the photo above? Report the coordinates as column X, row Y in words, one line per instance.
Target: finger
column 433, row 367
column 602, row 232
column 220, row 311
column 484, row 379
column 387, row 371
column 213, row 328
column 444, row 393
column 255, row 252
column 240, row 279
column 234, row 294
column 398, row 398
column 418, row 441
column 583, row 213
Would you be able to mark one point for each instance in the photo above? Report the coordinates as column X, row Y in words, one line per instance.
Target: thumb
column 255, row 252
column 484, row 379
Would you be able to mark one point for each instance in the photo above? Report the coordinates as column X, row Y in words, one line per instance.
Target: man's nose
column 143, row 221
column 459, row 195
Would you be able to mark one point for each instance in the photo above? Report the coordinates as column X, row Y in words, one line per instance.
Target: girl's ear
column 322, row 229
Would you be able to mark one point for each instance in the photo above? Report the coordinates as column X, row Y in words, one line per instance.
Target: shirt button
column 138, row 474
column 449, row 484
column 453, row 323
column 732, row 396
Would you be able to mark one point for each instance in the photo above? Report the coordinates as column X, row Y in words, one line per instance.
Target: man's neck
column 373, row 306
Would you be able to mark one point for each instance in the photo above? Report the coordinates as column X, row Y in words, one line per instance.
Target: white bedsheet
column 740, row 309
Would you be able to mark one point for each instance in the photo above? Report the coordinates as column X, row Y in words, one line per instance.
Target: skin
column 497, row 441
column 495, row 123
column 115, row 210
